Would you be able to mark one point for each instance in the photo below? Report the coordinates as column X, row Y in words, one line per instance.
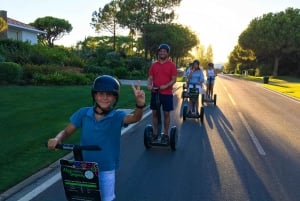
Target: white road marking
column 124, row 130
column 252, row 135
column 249, row 129
column 231, row 99
column 32, row 194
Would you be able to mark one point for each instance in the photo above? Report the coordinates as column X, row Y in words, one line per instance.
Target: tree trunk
column 275, row 69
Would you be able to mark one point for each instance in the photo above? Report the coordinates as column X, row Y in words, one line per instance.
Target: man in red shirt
column 162, row 75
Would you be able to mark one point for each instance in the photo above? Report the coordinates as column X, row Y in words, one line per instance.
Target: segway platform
column 148, row 132
column 149, row 141
column 192, row 96
column 206, row 99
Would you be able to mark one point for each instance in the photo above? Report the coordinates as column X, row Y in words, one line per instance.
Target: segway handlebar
column 72, row 147
column 155, row 88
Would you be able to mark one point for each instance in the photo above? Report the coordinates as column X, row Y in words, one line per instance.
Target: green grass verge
column 30, row 115
column 289, row 86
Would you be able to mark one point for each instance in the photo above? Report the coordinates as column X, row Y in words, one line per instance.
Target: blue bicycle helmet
column 106, row 83
column 164, row 46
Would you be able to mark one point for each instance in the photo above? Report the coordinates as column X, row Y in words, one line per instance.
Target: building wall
column 22, row 35
column 30, row 37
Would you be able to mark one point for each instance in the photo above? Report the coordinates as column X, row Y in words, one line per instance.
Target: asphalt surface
column 247, row 149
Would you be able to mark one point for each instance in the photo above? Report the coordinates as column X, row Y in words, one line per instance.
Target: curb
column 33, row 178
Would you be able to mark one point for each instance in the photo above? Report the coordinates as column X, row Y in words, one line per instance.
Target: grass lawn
column 285, row 85
column 30, row 115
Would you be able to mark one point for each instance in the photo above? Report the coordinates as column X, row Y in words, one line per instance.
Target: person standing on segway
column 188, row 71
column 196, row 80
column 210, row 80
column 101, row 125
column 162, row 75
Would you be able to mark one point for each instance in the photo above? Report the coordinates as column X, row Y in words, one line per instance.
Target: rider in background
column 196, row 79
column 187, row 71
column 210, row 79
column 162, row 74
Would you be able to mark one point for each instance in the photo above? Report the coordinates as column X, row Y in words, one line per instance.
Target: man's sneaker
column 164, row 138
column 154, row 137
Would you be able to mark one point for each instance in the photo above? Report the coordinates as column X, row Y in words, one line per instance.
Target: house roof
column 18, row 24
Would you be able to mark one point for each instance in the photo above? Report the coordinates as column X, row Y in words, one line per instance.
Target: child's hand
column 139, row 94
column 52, row 143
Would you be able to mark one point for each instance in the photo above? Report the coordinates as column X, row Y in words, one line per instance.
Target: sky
column 216, row 22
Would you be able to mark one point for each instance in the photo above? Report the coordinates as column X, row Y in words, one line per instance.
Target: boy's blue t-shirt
column 105, row 133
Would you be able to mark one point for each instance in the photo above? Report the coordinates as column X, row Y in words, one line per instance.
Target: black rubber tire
column 202, row 98
column 202, row 114
column 147, row 136
column 215, row 99
column 173, row 138
column 184, row 112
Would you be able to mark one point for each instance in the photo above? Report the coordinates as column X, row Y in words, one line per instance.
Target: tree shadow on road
column 252, row 186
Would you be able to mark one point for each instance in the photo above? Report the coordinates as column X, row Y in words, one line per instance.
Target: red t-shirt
column 162, row 73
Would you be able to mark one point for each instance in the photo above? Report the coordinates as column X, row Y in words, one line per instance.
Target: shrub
column 121, row 72
column 2, row 58
column 10, row 72
column 137, row 75
column 99, row 70
column 30, row 70
column 92, row 69
column 61, row 78
column 15, row 51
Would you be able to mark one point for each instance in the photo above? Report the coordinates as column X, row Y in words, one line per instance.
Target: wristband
column 140, row 107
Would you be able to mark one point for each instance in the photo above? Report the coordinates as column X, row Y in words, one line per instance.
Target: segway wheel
column 202, row 99
column 215, row 99
column 184, row 112
column 183, row 94
column 147, row 136
column 173, row 138
column 201, row 114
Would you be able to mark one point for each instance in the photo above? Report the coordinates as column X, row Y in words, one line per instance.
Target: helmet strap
column 104, row 112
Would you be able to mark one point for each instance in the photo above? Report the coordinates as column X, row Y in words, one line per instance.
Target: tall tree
column 273, row 35
column 180, row 39
column 135, row 14
column 240, row 57
column 56, row 28
column 106, row 19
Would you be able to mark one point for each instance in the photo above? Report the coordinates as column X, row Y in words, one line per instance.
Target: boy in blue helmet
column 101, row 124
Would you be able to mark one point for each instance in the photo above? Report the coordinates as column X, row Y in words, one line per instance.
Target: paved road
column 247, row 149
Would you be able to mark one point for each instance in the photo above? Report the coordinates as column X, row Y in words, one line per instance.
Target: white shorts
column 107, row 185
